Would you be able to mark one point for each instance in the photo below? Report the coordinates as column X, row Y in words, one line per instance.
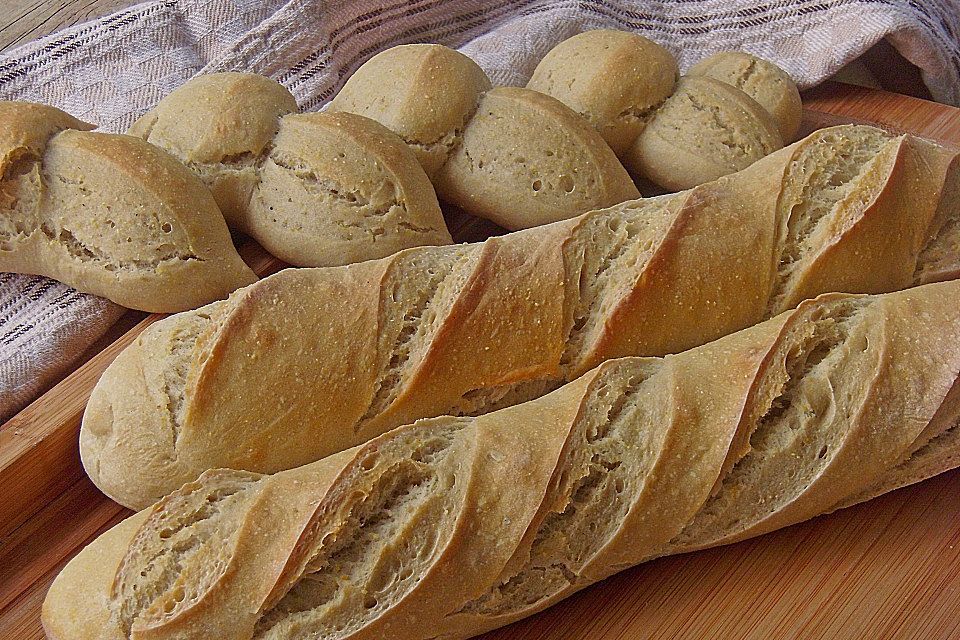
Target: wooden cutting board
column 889, row 568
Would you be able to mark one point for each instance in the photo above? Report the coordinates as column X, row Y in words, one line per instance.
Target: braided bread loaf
column 731, row 109
column 315, row 189
column 109, row 215
column 453, row 526
column 309, row 362
column 514, row 156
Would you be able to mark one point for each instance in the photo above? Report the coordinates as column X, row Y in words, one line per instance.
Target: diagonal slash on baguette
column 310, row 362
column 453, row 526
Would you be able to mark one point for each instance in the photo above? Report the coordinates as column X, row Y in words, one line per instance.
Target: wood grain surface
column 889, row 568
column 24, row 20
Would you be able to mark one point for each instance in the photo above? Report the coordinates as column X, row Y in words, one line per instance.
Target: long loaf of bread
column 310, row 362
column 456, row 525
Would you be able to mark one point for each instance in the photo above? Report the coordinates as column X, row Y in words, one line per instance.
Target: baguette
column 314, row 189
column 310, row 362
column 109, row 215
column 454, row 526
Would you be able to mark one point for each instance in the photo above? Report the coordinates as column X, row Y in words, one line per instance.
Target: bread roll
column 338, row 188
column 219, row 125
column 453, row 526
column 317, row 189
column 309, row 362
column 514, row 156
column 109, row 215
column 614, row 79
column 705, row 130
column 765, row 82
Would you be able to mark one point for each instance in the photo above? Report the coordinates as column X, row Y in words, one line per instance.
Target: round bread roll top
column 425, row 93
column 705, row 130
column 527, row 159
column 218, row 125
column 763, row 81
column 339, row 188
column 614, row 79
column 109, row 214
column 217, row 117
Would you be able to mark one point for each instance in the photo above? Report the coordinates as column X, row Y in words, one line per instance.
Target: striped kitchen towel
column 111, row 70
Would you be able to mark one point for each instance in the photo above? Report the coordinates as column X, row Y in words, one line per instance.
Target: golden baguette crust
column 342, row 355
column 109, row 215
column 69, row 610
column 454, row 526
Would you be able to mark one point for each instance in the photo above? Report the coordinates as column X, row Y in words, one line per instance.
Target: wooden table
column 24, row 20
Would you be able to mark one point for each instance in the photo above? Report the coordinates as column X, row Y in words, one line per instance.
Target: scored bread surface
column 765, row 82
column 526, row 160
column 109, row 214
column 512, row 155
column 314, row 189
column 729, row 110
column 310, row 362
column 705, row 130
column 453, row 526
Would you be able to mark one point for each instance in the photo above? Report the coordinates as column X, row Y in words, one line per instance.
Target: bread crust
column 765, row 82
column 338, row 188
column 512, row 155
column 425, row 93
column 627, row 78
column 705, row 130
column 110, row 215
column 450, row 527
column 341, row 355
column 315, row 189
column 526, row 159
column 728, row 111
